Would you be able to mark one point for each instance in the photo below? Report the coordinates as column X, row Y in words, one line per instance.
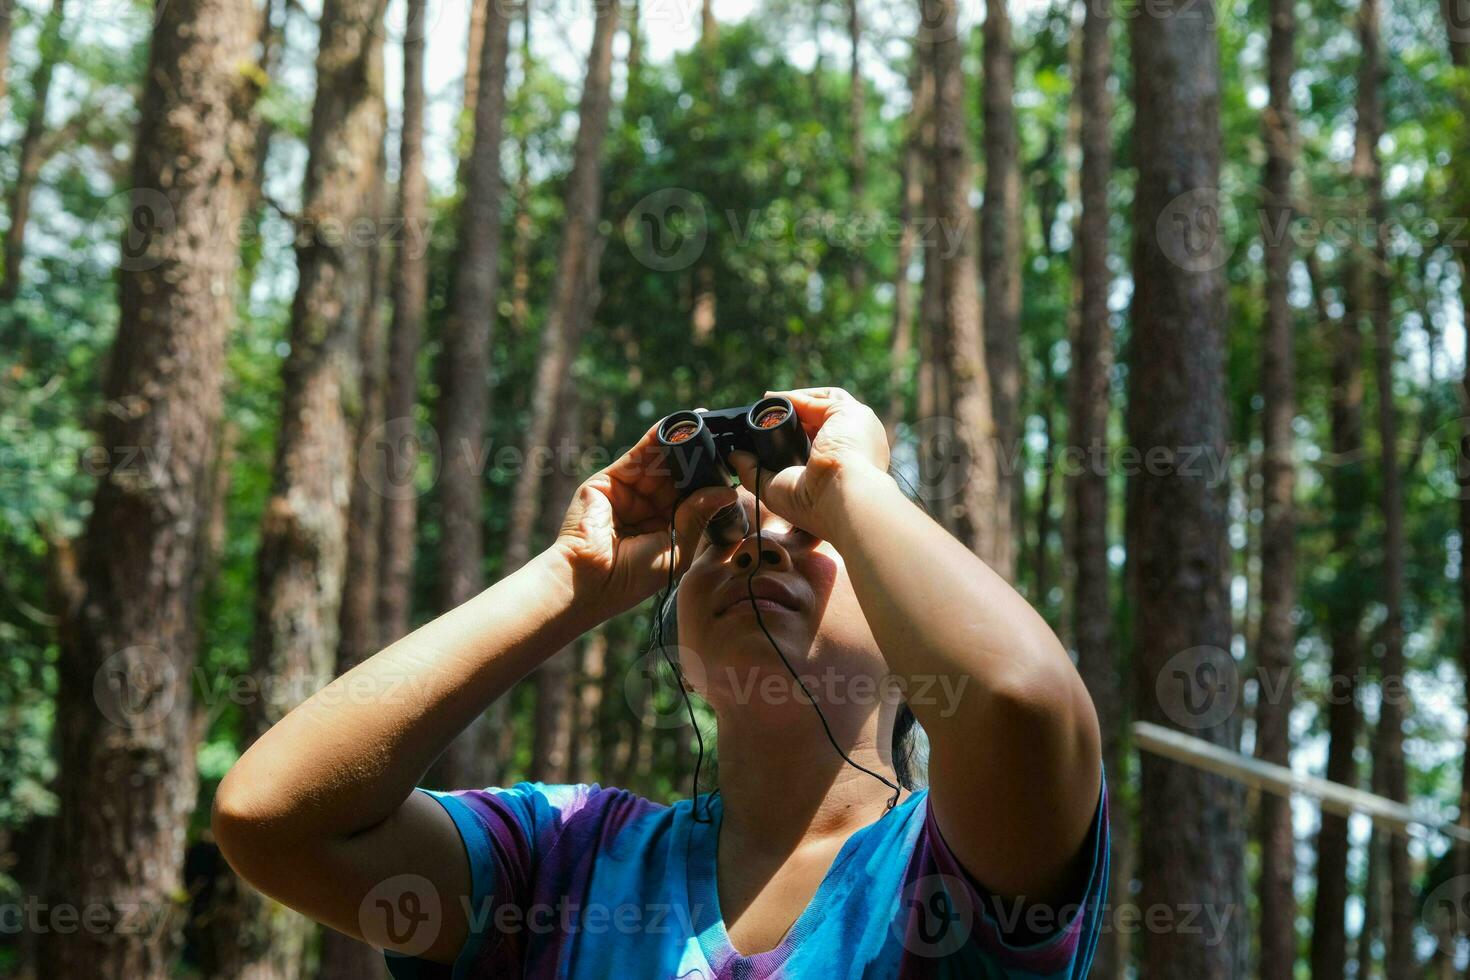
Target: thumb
column 777, row 487
column 695, row 512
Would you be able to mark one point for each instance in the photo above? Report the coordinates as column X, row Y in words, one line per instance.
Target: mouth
column 770, row 596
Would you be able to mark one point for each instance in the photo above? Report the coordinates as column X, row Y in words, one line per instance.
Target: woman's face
column 805, row 601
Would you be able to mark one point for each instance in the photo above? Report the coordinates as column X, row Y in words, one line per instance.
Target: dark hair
column 904, row 746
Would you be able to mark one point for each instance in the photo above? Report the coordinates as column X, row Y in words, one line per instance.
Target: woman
column 801, row 865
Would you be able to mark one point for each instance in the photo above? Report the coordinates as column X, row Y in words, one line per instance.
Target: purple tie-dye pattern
column 580, row 881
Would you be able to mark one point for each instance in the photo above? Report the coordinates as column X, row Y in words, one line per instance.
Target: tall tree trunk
column 7, row 25
column 973, row 486
column 1459, row 44
column 399, row 445
column 1090, row 398
column 1344, row 722
column 1276, row 646
column 1000, row 262
column 32, row 154
column 635, row 46
column 520, row 248
column 128, row 641
column 551, row 742
column 464, row 370
column 910, row 203
column 473, row 74
column 577, row 267
column 1177, row 520
column 858, row 162
column 360, row 635
column 1373, row 279
column 587, row 762
column 303, row 547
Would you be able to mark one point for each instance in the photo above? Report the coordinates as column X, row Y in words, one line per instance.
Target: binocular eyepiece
column 697, row 446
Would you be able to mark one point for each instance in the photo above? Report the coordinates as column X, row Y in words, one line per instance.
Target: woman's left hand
column 846, row 437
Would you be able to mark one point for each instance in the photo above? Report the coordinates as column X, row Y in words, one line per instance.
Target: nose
column 773, row 554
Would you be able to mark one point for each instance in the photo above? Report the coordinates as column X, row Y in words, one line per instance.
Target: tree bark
column 520, row 279
column 586, row 764
column 1459, row 45
column 1344, row 722
column 1000, row 262
column 1090, row 398
column 577, row 268
column 1177, row 518
column 972, row 485
column 910, row 203
column 303, row 548
column 474, row 70
column 551, row 741
column 342, row 957
column 635, row 46
column 1277, row 639
column 32, row 153
column 1373, row 280
column 7, row 25
column 128, row 640
column 858, row 161
column 399, row 445
column 464, row 367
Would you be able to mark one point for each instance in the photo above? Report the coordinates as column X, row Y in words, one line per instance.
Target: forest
column 314, row 314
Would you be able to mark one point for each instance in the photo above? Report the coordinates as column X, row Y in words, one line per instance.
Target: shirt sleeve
column 505, row 832
column 1052, row 940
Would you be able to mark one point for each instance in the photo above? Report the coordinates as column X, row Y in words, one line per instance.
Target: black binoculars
column 697, row 446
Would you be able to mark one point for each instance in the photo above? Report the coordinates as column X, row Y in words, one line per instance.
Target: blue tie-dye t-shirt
column 582, row 882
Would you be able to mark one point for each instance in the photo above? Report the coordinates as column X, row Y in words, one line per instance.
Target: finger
column 777, row 488
column 694, row 514
column 814, row 405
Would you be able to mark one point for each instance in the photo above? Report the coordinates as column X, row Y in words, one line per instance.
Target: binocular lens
column 771, row 417
column 681, row 431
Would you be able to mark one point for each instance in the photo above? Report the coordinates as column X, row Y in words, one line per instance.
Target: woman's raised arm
column 320, row 812
column 1015, row 761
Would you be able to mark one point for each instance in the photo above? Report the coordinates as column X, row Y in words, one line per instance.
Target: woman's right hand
column 615, row 534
